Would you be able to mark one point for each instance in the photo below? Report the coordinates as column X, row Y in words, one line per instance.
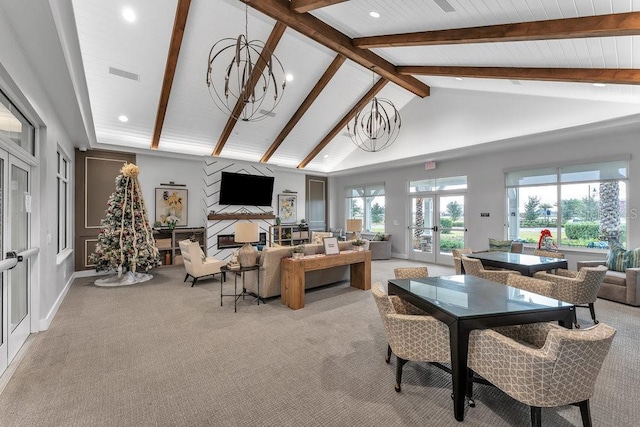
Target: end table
column 239, row 272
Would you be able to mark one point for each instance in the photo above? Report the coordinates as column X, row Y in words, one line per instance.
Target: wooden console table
column 293, row 270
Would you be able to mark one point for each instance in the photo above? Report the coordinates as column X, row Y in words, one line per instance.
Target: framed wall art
column 171, row 207
column 288, row 208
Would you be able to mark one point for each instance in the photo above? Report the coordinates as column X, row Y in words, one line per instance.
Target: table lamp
column 247, row 233
column 354, row 226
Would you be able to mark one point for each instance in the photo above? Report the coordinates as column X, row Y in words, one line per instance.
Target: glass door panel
column 421, row 229
column 452, row 224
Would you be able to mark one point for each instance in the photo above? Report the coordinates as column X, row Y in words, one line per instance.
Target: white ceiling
column 193, row 124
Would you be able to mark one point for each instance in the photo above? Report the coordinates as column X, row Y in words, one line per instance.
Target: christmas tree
column 125, row 241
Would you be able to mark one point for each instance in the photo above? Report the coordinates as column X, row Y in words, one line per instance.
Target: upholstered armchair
column 548, row 254
column 197, row 264
column 474, row 267
column 577, row 287
column 410, row 272
column 542, row 365
column 411, row 335
column 457, row 253
column 538, row 286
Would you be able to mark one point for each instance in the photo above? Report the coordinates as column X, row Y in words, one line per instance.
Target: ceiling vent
column 266, row 113
column 515, row 82
column 125, row 74
column 444, row 5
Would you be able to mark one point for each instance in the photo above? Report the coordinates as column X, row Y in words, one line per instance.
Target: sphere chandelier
column 246, row 71
column 376, row 126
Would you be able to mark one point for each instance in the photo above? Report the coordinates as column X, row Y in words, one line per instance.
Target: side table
column 238, row 272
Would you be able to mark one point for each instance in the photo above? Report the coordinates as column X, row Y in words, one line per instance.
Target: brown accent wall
column 96, row 172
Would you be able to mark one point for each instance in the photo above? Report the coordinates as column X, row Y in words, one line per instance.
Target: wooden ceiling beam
column 309, row 100
column 179, row 23
column 619, row 24
column 304, row 6
column 270, row 45
column 328, row 36
column 580, row 75
column 343, row 122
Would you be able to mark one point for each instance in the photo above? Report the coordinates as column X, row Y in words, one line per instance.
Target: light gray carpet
column 164, row 354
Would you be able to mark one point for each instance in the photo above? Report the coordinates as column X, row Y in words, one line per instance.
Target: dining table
column 527, row 265
column 465, row 303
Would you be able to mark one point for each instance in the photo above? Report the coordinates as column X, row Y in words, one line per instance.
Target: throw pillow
column 616, row 259
column 500, row 245
column 317, row 239
column 632, row 258
column 379, row 237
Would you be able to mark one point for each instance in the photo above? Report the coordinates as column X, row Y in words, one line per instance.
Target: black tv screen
column 244, row 189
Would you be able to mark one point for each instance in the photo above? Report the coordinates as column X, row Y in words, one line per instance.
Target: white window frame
column 63, row 195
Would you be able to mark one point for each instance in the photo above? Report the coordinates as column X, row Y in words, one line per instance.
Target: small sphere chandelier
column 249, row 73
column 376, row 126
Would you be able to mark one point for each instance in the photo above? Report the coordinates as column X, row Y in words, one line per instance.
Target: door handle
column 13, row 254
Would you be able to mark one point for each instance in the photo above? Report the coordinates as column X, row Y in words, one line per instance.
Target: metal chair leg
column 585, row 412
column 388, row 358
column 399, row 365
column 536, row 416
column 185, row 278
column 195, row 279
column 593, row 313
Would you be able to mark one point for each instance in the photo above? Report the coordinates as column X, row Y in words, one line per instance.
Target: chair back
column 457, row 253
column 191, row 255
column 517, row 247
column 472, row 266
column 457, row 264
column 591, row 278
column 542, row 287
column 548, row 254
column 410, row 272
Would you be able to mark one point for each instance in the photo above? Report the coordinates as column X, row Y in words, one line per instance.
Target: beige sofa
column 618, row 286
column 270, row 270
column 380, row 249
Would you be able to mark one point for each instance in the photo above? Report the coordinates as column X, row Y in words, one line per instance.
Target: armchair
column 542, row 364
column 474, row 267
column 577, row 287
column 410, row 272
column 197, row 264
column 416, row 337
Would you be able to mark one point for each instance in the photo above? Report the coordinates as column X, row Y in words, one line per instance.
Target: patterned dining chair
column 548, row 254
column 542, row 365
column 579, row 288
column 410, row 272
column 474, row 268
column 538, row 286
column 412, row 337
column 457, row 253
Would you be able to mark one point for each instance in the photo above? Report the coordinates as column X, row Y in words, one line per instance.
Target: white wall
column 17, row 79
column 485, row 172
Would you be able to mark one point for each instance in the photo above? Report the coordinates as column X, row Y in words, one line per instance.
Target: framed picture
column 331, row 245
column 288, row 208
column 171, row 206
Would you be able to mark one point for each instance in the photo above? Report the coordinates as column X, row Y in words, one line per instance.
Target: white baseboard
column 401, row 256
column 44, row 323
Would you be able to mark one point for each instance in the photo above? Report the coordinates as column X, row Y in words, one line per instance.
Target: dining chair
column 410, row 272
column 579, row 288
column 457, row 253
column 474, row 268
column 542, row 365
column 457, row 264
column 412, row 337
column 548, row 254
column 530, row 284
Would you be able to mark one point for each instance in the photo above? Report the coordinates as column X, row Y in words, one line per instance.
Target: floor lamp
column 354, row 226
column 247, row 233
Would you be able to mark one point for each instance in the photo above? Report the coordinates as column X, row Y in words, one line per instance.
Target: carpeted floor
column 164, row 354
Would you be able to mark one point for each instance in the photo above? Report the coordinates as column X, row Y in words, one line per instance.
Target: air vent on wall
column 125, row 74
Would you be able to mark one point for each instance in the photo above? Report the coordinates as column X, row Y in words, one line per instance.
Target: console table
column 293, row 271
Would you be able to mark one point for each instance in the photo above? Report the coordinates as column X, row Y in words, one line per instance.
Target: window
column 63, row 201
column 367, row 203
column 584, row 206
column 14, row 126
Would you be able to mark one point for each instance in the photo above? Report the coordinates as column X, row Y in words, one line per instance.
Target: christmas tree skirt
column 129, row 278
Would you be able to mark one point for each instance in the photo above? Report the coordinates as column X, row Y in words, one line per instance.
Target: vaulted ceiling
column 153, row 70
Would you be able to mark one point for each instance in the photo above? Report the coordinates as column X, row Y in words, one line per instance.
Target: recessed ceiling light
column 458, row 78
column 128, row 14
column 123, row 118
column 289, row 77
column 374, row 14
column 326, row 156
column 599, row 84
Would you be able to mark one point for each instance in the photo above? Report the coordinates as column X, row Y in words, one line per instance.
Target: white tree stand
column 129, row 278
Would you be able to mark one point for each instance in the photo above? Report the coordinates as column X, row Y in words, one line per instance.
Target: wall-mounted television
column 245, row 189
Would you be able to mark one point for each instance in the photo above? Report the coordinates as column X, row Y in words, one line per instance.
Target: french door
column 436, row 226
column 15, row 201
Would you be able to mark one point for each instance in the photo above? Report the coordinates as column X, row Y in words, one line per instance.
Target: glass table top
column 466, row 295
column 512, row 258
